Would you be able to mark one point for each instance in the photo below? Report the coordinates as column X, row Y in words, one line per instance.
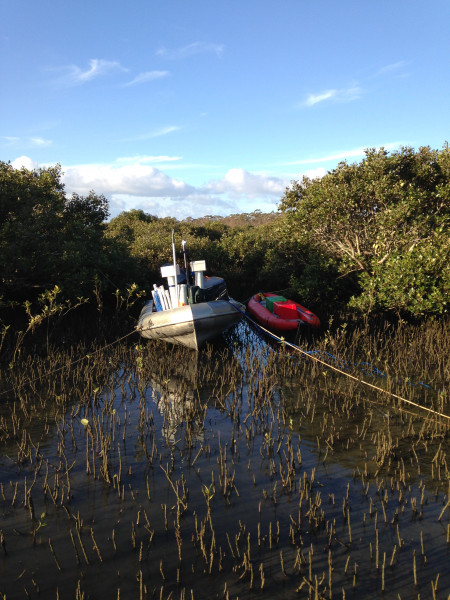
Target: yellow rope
column 295, row 347
column 359, row 380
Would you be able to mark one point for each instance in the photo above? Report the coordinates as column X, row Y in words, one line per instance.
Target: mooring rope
column 69, row 366
column 267, row 332
column 337, row 370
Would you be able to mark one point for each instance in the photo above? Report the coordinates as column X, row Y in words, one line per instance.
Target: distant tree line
column 371, row 237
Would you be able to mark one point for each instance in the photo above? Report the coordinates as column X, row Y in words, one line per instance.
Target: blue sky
column 213, row 107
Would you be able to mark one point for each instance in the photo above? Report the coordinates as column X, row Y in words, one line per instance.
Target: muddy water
column 237, row 473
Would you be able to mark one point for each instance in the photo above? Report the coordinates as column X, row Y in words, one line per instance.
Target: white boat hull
column 191, row 325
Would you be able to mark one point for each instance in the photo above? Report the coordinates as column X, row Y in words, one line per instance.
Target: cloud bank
column 240, row 183
column 135, row 182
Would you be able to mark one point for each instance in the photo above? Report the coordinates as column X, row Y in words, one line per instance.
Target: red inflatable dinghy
column 279, row 313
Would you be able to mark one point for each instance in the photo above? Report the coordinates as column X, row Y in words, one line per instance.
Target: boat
column 279, row 313
column 190, row 309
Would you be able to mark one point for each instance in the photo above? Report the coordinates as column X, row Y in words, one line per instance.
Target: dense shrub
column 47, row 239
column 383, row 226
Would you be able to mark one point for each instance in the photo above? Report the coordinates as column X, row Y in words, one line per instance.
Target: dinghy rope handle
column 358, row 379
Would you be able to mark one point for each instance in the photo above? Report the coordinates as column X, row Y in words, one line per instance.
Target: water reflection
column 185, row 384
column 178, row 399
column 231, row 473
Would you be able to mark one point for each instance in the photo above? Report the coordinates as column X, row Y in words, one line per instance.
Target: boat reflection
column 186, row 385
column 179, row 408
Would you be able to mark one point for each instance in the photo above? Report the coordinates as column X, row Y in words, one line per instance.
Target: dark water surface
column 240, row 472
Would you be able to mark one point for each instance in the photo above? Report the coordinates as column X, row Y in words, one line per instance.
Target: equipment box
column 169, row 271
column 285, row 309
column 270, row 300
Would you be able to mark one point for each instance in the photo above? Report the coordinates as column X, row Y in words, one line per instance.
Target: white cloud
column 191, row 50
column 316, row 98
column 353, row 92
column 391, row 67
column 164, row 131
column 343, row 95
column 135, row 180
column 147, row 76
column 194, row 205
column 74, row 75
column 24, row 162
column 41, row 142
column 239, row 182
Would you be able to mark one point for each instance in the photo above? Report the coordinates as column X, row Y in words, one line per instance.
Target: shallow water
column 235, row 473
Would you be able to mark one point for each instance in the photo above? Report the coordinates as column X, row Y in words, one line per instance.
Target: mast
column 175, row 268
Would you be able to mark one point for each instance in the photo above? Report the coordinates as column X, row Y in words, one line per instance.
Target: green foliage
column 49, row 305
column 244, row 251
column 417, row 280
column 373, row 236
column 383, row 225
column 54, row 256
column 45, row 238
column 125, row 300
column 145, row 240
column 251, row 259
